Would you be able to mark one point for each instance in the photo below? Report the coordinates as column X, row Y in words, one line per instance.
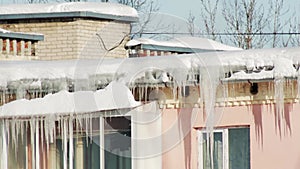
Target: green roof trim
column 80, row 14
column 17, row 35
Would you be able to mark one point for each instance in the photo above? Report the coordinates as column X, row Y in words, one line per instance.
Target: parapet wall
column 73, row 38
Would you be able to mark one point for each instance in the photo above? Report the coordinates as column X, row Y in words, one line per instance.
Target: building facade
column 72, row 30
column 207, row 110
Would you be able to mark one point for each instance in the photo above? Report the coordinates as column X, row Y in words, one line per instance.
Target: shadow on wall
column 282, row 121
column 287, row 111
column 257, row 114
column 185, row 127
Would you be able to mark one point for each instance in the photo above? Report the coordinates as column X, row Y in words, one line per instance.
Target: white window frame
column 225, row 147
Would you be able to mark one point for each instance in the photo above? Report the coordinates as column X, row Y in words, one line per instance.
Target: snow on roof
column 95, row 7
column 185, row 42
column 258, row 64
column 114, row 96
column 4, row 30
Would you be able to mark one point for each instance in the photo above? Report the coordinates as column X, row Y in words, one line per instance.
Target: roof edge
column 81, row 14
column 19, row 35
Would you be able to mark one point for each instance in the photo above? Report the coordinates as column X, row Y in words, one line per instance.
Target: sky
column 182, row 8
column 177, row 11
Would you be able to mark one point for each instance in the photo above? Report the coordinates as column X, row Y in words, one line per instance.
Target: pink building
column 209, row 110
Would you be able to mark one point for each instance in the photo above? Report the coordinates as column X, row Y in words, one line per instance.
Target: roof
column 20, row 35
column 256, row 64
column 183, row 44
column 112, row 11
column 114, row 96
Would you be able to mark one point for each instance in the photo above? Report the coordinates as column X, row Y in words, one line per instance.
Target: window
column 224, row 149
column 95, row 143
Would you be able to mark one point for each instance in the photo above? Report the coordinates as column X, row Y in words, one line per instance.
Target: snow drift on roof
column 4, row 31
column 185, row 42
column 114, row 96
column 101, row 8
column 178, row 66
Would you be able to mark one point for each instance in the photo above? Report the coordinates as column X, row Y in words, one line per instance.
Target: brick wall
column 72, row 38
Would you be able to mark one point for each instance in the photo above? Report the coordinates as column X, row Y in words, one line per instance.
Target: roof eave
column 80, row 14
column 17, row 35
column 174, row 48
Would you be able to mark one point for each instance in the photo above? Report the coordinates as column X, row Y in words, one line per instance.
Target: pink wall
column 275, row 144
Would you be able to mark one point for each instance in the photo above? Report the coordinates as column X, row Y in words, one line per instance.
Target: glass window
column 117, row 143
column 239, row 148
column 232, row 144
column 216, row 153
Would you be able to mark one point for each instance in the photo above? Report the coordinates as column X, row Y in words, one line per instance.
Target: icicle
column 91, row 126
column 77, row 124
column 71, row 143
column 37, row 146
column 65, row 142
column 146, row 92
column 60, row 126
column 7, row 127
column 298, row 85
column 80, row 124
column 42, row 134
column 52, row 128
column 140, row 93
column 174, row 91
column 4, row 146
column 86, row 128
column 210, row 79
column 279, row 98
column 22, row 131
column 32, row 129
column 13, row 132
column 46, row 128
column 18, row 129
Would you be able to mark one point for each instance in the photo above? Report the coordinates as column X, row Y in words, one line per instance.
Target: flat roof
column 111, row 11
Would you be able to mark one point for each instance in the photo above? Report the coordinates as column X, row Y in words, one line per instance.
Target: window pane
column 217, row 151
column 92, row 153
column 118, row 143
column 239, row 148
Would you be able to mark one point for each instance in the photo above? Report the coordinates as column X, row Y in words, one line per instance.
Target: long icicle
column 32, row 129
column 37, row 146
column 71, row 142
column 65, row 143
column 4, row 146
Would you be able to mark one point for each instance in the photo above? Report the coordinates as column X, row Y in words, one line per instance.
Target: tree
column 191, row 24
column 146, row 9
column 208, row 13
column 246, row 23
column 245, row 19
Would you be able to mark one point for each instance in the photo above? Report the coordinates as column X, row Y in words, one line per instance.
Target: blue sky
column 180, row 8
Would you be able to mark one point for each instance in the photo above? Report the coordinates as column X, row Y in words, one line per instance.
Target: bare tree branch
column 208, row 13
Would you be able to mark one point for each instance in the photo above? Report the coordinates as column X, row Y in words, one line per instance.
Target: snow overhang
column 115, row 96
column 183, row 44
column 243, row 65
